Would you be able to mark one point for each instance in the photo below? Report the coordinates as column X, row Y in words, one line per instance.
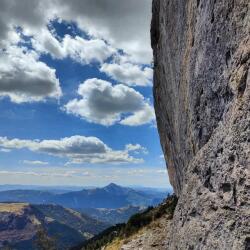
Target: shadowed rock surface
column 202, row 101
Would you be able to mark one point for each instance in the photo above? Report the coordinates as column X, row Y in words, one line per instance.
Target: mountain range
column 110, row 197
column 66, row 218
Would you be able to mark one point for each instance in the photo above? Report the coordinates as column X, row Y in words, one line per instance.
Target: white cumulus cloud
column 77, row 48
column 105, row 104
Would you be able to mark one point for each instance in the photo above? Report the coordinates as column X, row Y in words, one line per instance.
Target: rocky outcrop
column 202, row 102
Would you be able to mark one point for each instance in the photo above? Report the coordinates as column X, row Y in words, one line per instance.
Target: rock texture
column 202, row 101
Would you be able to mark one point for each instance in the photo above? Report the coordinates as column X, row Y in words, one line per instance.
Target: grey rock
column 202, row 102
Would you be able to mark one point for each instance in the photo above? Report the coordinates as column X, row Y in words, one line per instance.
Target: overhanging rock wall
column 202, row 102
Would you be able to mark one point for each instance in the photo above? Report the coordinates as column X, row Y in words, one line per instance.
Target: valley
column 64, row 220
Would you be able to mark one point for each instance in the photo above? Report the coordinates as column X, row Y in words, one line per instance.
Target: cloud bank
column 77, row 149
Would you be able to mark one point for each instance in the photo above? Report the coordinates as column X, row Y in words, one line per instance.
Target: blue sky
column 76, row 104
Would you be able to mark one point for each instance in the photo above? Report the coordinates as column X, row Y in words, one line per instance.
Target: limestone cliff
column 202, row 101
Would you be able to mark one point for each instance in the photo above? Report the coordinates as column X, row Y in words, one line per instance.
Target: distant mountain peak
column 115, row 189
column 113, row 185
column 110, row 196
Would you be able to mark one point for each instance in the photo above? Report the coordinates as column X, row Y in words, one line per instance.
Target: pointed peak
column 113, row 185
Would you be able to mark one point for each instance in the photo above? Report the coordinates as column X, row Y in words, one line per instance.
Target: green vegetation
column 102, row 239
column 134, row 224
column 138, row 221
column 78, row 221
column 112, row 216
column 43, row 241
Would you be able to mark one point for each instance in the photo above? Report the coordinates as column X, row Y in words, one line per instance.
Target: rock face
column 202, row 101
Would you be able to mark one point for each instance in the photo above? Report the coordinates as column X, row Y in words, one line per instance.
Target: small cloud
column 137, row 148
column 5, row 150
column 161, row 171
column 144, row 171
column 35, row 162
